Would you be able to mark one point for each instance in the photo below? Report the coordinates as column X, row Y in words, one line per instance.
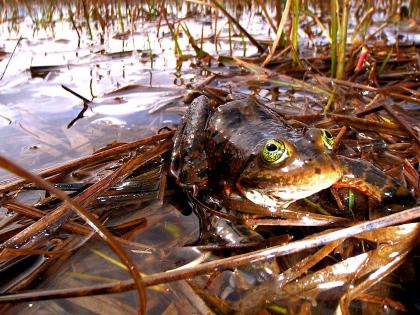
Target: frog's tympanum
column 243, row 147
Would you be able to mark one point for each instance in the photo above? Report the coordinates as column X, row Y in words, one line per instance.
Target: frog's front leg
column 189, row 163
column 370, row 180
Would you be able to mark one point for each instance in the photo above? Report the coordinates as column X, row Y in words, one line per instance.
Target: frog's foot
column 221, row 229
column 373, row 182
column 233, row 233
column 189, row 163
column 224, row 233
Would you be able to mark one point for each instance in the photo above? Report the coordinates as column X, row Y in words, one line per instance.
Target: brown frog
column 243, row 147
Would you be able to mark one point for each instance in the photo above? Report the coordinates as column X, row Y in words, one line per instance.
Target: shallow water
column 135, row 84
column 35, row 110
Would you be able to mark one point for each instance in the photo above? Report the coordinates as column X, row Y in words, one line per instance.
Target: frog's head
column 284, row 171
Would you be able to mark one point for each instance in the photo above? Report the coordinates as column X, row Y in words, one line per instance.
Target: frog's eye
column 274, row 151
column 327, row 138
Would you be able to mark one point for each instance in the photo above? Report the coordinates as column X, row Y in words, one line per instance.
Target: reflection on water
column 35, row 109
column 134, row 83
column 105, row 54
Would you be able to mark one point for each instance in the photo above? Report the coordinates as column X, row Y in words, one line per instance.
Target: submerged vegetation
column 349, row 68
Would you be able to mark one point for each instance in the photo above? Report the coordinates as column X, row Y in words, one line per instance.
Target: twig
column 260, row 48
column 366, row 124
column 10, row 58
column 84, row 99
column 371, row 107
column 394, row 114
column 267, row 15
column 341, row 57
column 220, row 264
column 73, row 227
column 79, row 115
column 88, row 218
column 86, row 103
column 402, row 122
column 57, row 217
column 337, row 139
column 279, row 32
column 88, row 159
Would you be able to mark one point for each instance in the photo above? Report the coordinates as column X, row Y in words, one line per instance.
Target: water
column 135, row 82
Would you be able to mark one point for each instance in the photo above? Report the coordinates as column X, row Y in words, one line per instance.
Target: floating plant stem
column 290, row 82
column 341, row 57
column 383, row 64
column 178, row 50
column 333, row 34
column 318, row 21
column 120, row 16
column 200, row 53
column 329, row 102
column 260, row 48
column 150, row 51
column 281, row 79
column 230, row 39
column 243, row 44
column 225, row 263
column 10, row 58
column 277, row 309
column 86, row 14
column 351, row 199
column 91, row 220
column 267, row 15
column 109, row 258
column 279, row 33
column 316, row 206
column 98, row 156
column 364, row 23
column 295, row 51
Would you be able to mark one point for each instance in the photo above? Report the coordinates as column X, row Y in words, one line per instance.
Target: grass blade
column 279, row 32
column 260, row 48
column 333, row 34
column 341, row 58
column 295, row 23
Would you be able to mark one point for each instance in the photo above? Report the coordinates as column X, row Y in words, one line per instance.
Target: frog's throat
column 255, row 196
column 278, row 198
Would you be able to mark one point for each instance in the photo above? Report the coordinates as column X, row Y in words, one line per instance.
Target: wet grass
column 109, row 13
column 333, row 34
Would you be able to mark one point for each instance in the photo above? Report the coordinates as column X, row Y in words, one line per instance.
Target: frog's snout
column 314, row 137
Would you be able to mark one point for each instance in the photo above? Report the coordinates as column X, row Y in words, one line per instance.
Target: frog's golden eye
column 327, row 138
column 274, row 151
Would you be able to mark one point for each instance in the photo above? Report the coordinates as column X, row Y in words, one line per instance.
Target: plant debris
column 101, row 226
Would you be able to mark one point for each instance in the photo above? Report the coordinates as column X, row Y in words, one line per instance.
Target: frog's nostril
column 313, row 134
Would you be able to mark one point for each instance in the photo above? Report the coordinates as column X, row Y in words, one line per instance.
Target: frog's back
column 244, row 125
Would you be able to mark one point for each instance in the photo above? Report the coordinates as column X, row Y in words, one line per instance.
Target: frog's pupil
column 271, row 147
column 328, row 134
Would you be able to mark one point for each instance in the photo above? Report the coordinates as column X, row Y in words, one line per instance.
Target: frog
column 249, row 152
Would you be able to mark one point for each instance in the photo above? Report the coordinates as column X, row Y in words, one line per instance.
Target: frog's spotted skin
column 370, row 180
column 225, row 148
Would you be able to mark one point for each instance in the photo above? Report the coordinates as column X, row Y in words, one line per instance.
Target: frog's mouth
column 278, row 187
column 276, row 195
column 275, row 198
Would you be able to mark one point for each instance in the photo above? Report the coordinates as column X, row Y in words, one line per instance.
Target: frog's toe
column 398, row 194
